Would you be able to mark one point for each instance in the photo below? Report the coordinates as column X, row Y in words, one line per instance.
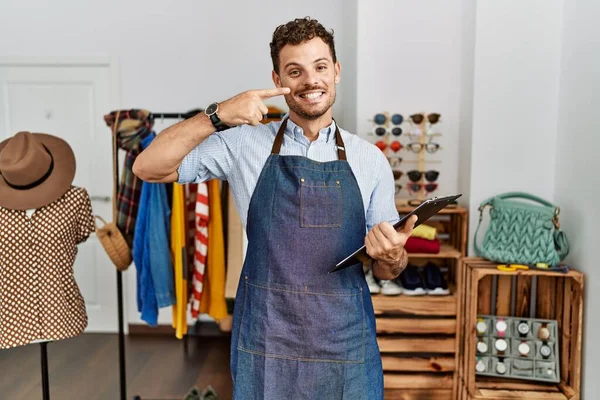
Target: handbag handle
column 522, row 195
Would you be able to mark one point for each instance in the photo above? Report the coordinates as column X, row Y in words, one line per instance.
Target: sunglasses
column 396, row 131
column 414, row 187
column 417, row 147
column 396, row 146
column 394, row 162
column 381, row 119
column 380, row 131
column 433, row 118
column 416, row 176
column 397, row 174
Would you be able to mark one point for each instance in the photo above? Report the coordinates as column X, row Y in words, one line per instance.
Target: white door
column 69, row 100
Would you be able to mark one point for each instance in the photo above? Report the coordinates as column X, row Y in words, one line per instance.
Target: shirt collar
column 326, row 134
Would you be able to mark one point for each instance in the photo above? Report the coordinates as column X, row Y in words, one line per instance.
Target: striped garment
column 200, row 245
column 239, row 154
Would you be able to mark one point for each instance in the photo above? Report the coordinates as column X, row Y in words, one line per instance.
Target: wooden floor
column 86, row 367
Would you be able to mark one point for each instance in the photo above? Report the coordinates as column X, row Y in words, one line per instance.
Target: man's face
column 308, row 70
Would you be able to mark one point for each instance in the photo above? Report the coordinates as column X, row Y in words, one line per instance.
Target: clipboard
column 424, row 211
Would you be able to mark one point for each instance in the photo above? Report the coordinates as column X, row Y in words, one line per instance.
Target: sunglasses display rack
column 518, row 348
column 387, row 129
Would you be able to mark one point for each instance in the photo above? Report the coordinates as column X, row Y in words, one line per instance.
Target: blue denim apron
column 300, row 332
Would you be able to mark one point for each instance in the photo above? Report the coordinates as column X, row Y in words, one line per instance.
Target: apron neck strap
column 341, row 149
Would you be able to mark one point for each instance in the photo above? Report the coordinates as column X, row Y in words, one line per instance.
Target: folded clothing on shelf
column 420, row 245
column 424, row 231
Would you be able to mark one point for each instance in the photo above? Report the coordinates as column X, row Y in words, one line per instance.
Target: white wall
column 465, row 122
column 515, row 99
column 577, row 185
column 172, row 56
column 409, row 60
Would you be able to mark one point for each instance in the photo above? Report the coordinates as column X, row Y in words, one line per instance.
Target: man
column 307, row 192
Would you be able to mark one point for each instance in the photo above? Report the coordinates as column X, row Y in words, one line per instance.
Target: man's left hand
column 386, row 246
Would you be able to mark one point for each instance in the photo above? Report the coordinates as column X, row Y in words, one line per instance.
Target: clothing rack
column 44, row 365
column 122, row 365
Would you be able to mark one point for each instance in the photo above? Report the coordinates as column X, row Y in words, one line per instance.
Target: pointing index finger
column 266, row 93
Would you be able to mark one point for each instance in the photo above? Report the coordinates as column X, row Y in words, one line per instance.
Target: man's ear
column 276, row 79
column 337, row 69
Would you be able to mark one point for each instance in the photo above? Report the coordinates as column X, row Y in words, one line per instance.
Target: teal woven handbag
column 521, row 232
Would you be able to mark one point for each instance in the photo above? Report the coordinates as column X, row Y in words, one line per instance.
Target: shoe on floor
column 374, row 287
column 390, row 288
column 411, row 281
column 209, row 394
column 435, row 283
column 193, row 394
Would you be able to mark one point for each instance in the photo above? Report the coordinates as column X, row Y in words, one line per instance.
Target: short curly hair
column 297, row 31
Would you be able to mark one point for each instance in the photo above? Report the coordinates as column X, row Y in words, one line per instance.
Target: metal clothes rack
column 122, row 366
column 44, row 364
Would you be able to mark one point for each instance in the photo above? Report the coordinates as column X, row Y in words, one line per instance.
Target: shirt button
column 298, row 131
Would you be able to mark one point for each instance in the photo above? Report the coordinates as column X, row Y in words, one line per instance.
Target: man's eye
column 321, row 67
column 294, row 72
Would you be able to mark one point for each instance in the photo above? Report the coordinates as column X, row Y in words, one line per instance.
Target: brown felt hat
column 35, row 170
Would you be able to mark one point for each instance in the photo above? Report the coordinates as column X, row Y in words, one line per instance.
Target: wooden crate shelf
column 418, row 364
column 558, row 297
column 418, row 394
column 446, row 251
column 393, row 344
column 419, row 336
column 439, row 326
column 417, row 305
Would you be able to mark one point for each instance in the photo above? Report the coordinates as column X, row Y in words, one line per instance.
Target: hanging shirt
column 213, row 296
column 151, row 250
column 39, row 297
column 179, row 257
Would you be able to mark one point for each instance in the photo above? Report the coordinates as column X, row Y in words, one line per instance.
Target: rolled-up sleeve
column 382, row 206
column 214, row 158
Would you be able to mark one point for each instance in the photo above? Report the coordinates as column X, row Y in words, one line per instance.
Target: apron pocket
column 320, row 203
column 305, row 324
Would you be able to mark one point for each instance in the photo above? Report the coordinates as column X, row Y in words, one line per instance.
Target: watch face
column 501, row 345
column 482, row 347
column 524, row 349
column 523, row 328
column 501, row 326
column 211, row 109
column 544, row 333
column 480, row 367
column 481, row 327
column 545, row 350
column 501, row 368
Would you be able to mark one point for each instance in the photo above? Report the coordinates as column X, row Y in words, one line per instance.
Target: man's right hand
column 248, row 107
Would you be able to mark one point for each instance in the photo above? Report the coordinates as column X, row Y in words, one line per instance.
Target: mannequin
column 43, row 218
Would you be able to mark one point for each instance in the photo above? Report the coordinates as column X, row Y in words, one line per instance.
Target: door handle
column 105, row 199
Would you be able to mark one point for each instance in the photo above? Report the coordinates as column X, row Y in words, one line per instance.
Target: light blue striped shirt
column 239, row 154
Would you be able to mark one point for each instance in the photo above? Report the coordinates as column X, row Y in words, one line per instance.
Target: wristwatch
column 545, row 351
column 480, row 366
column 481, row 327
column 482, row 347
column 523, row 328
column 524, row 349
column 544, row 332
column 501, row 345
column 501, row 368
column 501, row 327
column 211, row 112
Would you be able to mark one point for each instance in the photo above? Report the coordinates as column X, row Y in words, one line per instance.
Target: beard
column 311, row 111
